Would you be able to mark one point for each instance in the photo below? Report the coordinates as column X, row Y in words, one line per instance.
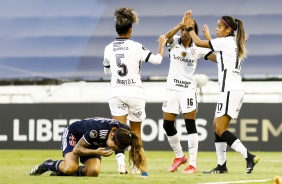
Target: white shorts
column 177, row 102
column 133, row 107
column 229, row 103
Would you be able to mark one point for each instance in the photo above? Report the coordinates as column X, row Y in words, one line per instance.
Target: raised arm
column 174, row 30
column 162, row 41
column 189, row 22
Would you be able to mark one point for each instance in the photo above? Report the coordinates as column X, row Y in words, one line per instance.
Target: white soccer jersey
column 183, row 62
column 228, row 64
column 124, row 58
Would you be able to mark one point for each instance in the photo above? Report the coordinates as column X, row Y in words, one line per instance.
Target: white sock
column 174, row 142
column 120, row 158
column 240, row 148
column 221, row 152
column 193, row 142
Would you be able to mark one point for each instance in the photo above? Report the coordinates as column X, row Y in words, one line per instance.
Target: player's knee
column 169, row 128
column 92, row 172
column 70, row 169
column 219, row 131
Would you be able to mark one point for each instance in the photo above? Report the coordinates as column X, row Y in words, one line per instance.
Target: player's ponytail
column 240, row 38
column 136, row 152
column 237, row 25
column 124, row 138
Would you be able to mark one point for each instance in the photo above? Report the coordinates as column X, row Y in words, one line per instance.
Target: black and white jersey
column 228, row 63
column 94, row 131
column 183, row 62
column 124, row 58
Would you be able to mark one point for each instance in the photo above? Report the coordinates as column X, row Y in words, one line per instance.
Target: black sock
column 79, row 171
column 228, row 137
column 169, row 128
column 218, row 139
column 190, row 126
column 52, row 165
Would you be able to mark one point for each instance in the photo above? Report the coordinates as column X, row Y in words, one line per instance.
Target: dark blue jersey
column 95, row 131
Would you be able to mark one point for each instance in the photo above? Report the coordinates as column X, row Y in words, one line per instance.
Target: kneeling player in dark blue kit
column 86, row 140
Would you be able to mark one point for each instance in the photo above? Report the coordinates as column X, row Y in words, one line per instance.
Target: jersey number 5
column 123, row 68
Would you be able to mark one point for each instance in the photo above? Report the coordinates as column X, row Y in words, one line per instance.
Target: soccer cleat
column 122, row 169
column 252, row 160
column 39, row 169
column 135, row 170
column 176, row 163
column 220, row 169
column 189, row 169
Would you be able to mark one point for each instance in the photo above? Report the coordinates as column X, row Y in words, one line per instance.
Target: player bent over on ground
column 86, row 140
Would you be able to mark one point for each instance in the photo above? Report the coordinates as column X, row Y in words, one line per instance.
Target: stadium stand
column 65, row 39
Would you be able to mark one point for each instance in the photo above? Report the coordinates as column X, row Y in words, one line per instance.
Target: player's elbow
column 156, row 59
column 76, row 150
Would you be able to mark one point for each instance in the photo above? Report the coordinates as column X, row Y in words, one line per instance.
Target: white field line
column 239, row 181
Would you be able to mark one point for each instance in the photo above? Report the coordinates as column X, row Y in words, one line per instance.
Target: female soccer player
column 86, row 140
column 122, row 59
column 230, row 52
column 180, row 96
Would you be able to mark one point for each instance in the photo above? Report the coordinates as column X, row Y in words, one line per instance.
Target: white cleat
column 135, row 170
column 122, row 169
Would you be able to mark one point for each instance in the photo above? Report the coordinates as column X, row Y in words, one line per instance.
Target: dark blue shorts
column 69, row 141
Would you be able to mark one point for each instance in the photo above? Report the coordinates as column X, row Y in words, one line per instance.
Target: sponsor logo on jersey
column 122, row 106
column 103, row 134
column 120, row 48
column 189, row 62
column 138, row 114
column 117, row 46
column 72, row 140
column 93, row 134
column 180, row 83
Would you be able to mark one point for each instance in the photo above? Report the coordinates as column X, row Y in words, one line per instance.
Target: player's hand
column 162, row 40
column 188, row 21
column 105, row 153
column 206, row 32
column 246, row 36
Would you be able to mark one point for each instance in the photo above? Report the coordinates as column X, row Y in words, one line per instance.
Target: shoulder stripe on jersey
column 227, row 102
column 207, row 55
column 147, row 58
column 211, row 45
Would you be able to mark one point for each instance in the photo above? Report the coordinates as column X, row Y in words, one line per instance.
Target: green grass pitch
column 16, row 164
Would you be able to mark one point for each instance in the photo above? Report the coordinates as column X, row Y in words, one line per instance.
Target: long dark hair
column 237, row 25
column 124, row 138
